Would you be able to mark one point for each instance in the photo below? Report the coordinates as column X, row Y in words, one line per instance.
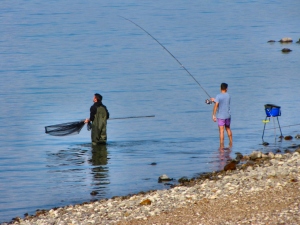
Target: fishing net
column 65, row 129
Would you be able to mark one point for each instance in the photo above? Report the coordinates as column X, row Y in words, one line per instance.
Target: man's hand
column 214, row 118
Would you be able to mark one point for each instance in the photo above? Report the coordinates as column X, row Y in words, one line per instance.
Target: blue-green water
column 55, row 55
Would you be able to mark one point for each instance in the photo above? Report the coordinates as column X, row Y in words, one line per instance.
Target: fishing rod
column 69, row 128
column 89, row 125
column 130, row 117
column 208, row 101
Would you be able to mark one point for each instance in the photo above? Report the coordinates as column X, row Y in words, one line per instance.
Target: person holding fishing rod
column 222, row 101
column 98, row 116
column 221, row 114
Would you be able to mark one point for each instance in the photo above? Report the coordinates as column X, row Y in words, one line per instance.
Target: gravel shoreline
column 263, row 189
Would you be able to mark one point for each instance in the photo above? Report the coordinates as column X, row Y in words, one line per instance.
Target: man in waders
column 222, row 109
column 98, row 116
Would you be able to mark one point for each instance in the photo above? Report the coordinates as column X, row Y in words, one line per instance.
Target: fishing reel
column 208, row 102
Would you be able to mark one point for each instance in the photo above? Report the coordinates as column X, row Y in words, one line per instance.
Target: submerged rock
column 265, row 143
column 286, row 50
column 94, row 193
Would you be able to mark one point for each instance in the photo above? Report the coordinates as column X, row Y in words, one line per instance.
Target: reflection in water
column 70, row 168
column 99, row 169
column 224, row 156
column 99, row 155
column 221, row 158
column 67, row 160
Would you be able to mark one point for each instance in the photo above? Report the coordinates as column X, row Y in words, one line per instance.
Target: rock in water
column 164, row 177
column 286, row 40
column 288, row 138
column 286, row 50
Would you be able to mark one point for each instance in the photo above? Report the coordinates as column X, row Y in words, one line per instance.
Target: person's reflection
column 99, row 171
column 224, row 157
column 99, row 155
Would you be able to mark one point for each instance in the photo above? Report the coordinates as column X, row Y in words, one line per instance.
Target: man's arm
column 215, row 111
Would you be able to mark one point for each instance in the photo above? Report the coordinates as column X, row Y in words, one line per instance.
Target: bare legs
column 229, row 133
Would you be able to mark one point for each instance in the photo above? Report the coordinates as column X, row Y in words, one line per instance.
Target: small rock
column 250, row 163
column 287, row 151
column 230, row 166
column 286, row 40
column 288, row 137
column 271, row 155
column 164, row 177
column 183, row 180
column 286, row 50
column 239, row 156
column 94, row 193
column 255, row 155
column 297, row 136
column 17, row 219
column 271, row 41
column 146, row 202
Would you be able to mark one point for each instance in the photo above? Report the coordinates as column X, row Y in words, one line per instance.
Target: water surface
column 55, row 55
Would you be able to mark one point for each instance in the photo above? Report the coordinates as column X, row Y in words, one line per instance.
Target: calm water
column 55, row 55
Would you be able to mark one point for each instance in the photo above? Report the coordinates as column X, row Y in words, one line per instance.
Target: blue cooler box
column 272, row 110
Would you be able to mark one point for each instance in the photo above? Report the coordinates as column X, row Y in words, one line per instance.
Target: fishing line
column 208, row 100
column 284, row 126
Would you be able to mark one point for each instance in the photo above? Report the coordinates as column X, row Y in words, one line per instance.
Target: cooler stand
column 271, row 111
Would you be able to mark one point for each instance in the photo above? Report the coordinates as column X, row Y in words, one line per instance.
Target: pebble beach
column 257, row 189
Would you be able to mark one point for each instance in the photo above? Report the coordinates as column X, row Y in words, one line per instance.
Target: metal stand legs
column 265, row 128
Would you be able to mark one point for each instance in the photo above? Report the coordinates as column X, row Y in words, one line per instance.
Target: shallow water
column 56, row 55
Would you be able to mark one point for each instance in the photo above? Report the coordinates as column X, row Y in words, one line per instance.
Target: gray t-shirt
column 223, row 111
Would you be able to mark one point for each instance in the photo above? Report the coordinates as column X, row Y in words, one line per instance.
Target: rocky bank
column 261, row 189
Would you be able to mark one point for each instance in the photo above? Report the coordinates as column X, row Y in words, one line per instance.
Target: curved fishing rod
column 207, row 101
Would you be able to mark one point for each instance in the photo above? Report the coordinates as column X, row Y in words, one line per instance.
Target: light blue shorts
column 224, row 122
